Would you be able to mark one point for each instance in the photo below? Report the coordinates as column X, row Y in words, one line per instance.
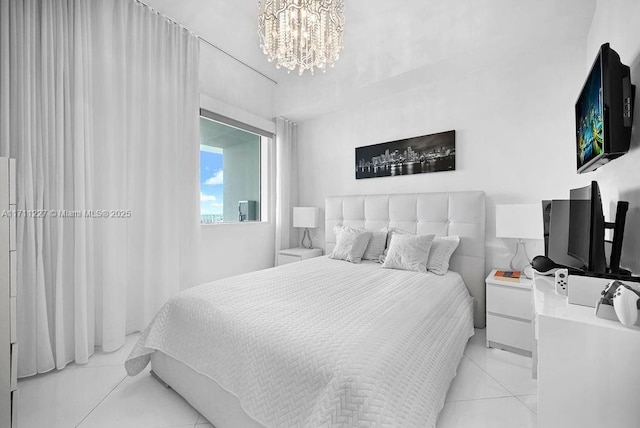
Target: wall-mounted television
column 604, row 112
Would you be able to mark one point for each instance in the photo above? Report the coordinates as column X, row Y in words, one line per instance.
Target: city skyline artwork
column 417, row 155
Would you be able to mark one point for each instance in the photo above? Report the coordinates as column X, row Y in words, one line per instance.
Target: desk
column 588, row 368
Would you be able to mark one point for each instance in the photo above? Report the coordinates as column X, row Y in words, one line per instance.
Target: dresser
column 8, row 295
column 588, row 368
column 297, row 254
column 509, row 314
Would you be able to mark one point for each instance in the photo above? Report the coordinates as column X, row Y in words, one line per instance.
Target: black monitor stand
column 616, row 243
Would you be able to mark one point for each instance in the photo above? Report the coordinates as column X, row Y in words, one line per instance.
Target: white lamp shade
column 308, row 217
column 523, row 221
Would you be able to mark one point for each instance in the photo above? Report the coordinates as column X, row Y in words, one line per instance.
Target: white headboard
column 443, row 213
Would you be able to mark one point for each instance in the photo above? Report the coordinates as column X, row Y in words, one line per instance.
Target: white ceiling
column 390, row 46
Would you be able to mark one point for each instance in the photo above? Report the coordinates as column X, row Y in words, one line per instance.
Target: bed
column 325, row 342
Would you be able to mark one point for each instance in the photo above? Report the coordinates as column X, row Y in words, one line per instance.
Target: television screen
column 589, row 117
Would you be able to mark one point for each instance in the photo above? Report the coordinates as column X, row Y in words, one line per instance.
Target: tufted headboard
column 444, row 213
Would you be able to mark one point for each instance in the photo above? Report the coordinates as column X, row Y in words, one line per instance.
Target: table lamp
column 522, row 221
column 307, row 217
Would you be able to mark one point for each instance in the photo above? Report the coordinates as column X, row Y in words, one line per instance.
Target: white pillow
column 390, row 231
column 336, row 230
column 376, row 245
column 394, row 231
column 408, row 252
column 441, row 250
column 350, row 244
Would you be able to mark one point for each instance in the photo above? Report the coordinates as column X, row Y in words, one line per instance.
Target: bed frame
column 452, row 213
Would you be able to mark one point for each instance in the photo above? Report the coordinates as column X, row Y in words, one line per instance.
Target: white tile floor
column 493, row 388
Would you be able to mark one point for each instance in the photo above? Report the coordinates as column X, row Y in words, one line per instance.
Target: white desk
column 588, row 368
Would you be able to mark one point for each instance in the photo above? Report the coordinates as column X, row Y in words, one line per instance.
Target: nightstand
column 297, row 254
column 509, row 315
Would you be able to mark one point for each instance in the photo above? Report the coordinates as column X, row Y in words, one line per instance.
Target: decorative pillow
column 350, row 244
column 376, row 245
column 441, row 250
column 408, row 252
column 391, row 231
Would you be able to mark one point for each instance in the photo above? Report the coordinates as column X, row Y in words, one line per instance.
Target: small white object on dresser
column 8, row 295
column 509, row 314
column 297, row 254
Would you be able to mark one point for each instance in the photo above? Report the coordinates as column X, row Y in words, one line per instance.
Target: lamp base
column 306, row 239
column 516, row 263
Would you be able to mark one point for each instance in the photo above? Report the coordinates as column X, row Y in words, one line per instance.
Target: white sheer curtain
column 100, row 108
column 286, row 188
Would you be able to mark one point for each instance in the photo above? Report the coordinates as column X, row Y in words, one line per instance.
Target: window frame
column 263, row 167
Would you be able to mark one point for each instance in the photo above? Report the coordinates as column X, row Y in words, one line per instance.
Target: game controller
column 609, row 291
column 607, row 294
column 625, row 303
column 562, row 276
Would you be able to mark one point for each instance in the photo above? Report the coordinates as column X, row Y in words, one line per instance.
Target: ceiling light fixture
column 302, row 34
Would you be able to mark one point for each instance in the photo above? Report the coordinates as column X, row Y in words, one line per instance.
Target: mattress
column 321, row 342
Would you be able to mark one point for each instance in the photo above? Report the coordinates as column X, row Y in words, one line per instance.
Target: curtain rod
column 202, row 39
column 233, row 57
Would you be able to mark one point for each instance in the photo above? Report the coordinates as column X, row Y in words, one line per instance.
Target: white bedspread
column 321, row 342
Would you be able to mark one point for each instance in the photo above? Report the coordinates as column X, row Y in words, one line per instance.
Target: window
column 230, row 172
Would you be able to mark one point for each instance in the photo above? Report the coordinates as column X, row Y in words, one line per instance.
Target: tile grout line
column 483, row 399
column 101, row 401
column 496, row 380
column 504, row 386
column 525, row 405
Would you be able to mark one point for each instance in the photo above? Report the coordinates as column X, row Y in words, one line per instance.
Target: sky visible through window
column 211, row 184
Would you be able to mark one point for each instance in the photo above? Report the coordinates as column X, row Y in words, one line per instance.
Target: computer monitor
column 586, row 228
column 559, row 235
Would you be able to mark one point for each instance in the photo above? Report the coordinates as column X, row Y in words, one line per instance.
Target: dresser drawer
column 13, row 326
column 14, row 408
column 510, row 332
column 511, row 301
column 13, row 173
column 14, row 366
column 13, row 274
column 12, row 232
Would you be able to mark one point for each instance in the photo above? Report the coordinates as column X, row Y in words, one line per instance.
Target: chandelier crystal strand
column 302, row 34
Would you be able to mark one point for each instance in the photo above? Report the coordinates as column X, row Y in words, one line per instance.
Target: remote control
column 562, row 276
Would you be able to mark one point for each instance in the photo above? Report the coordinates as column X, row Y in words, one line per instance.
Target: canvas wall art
column 428, row 153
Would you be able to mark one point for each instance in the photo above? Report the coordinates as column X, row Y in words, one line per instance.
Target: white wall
column 233, row 90
column 512, row 109
column 513, row 115
column 617, row 22
column 234, row 84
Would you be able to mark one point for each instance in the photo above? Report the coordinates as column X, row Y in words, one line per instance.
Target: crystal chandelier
column 302, row 34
